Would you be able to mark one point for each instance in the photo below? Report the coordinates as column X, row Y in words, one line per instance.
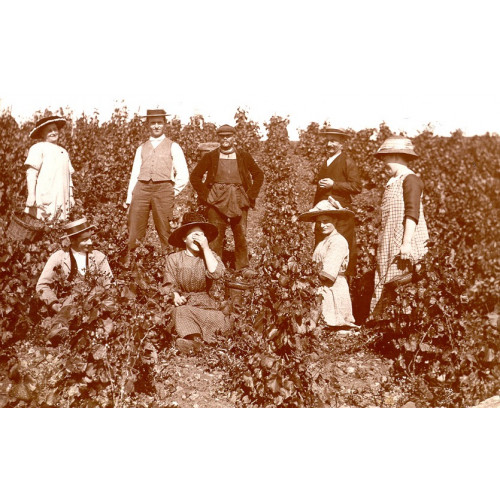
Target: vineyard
column 437, row 344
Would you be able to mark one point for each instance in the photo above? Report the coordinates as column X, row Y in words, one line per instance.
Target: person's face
column 226, row 141
column 394, row 162
column 325, row 224
column 82, row 242
column 333, row 146
column 191, row 236
column 50, row 133
column 156, row 126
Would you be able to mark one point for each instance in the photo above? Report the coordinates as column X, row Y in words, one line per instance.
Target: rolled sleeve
column 180, row 169
column 219, row 270
column 34, row 159
column 412, row 192
column 134, row 176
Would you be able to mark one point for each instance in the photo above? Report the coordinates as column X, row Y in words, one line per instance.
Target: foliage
column 450, row 310
column 439, row 333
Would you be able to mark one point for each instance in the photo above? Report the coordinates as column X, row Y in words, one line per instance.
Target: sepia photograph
column 261, row 205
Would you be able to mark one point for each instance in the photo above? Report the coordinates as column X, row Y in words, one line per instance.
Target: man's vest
column 156, row 163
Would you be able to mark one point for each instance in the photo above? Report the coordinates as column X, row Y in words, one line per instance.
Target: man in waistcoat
column 339, row 178
column 232, row 184
column 159, row 173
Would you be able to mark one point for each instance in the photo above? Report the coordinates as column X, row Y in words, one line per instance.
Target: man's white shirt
column 180, row 172
column 332, row 158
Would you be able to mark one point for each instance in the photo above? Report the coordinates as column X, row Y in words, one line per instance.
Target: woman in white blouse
column 48, row 173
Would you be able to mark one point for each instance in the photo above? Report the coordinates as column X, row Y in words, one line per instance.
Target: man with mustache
column 339, row 178
column 73, row 262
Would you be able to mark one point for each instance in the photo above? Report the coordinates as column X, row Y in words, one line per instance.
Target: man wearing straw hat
column 159, row 173
column 74, row 262
column 339, row 178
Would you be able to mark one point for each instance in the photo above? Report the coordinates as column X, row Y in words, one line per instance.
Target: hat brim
column 155, row 116
column 35, row 133
column 334, row 134
column 411, row 155
column 311, row 216
column 76, row 233
column 176, row 238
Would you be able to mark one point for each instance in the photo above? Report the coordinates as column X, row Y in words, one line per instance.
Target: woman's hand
column 325, row 183
column 179, row 300
column 202, row 241
column 405, row 251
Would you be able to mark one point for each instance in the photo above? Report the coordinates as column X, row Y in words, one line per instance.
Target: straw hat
column 397, row 144
column 330, row 207
column 334, row 132
column 155, row 113
column 36, row 132
column 189, row 220
column 76, row 227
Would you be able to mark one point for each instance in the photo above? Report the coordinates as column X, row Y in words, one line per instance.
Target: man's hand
column 179, row 300
column 126, row 206
column 326, row 183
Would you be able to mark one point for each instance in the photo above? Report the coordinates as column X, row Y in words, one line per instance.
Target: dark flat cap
column 226, row 130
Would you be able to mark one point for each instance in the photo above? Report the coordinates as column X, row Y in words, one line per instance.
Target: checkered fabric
column 391, row 237
column 188, row 276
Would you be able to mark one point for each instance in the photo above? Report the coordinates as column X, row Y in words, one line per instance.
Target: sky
column 356, row 64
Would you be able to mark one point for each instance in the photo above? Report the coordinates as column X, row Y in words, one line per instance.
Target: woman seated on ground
column 48, row 172
column 73, row 262
column 403, row 234
column 189, row 275
column 332, row 252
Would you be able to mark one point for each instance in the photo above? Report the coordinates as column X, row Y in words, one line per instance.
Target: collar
column 157, row 139
column 333, row 158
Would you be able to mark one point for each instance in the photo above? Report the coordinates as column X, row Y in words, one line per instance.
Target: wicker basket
column 24, row 227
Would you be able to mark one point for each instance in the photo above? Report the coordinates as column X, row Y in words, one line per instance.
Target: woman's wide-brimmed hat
column 189, row 220
column 334, row 132
column 397, row 144
column 36, row 132
column 77, row 227
column 330, row 207
column 154, row 113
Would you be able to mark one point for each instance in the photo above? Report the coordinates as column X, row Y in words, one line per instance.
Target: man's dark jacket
column 345, row 174
column 251, row 175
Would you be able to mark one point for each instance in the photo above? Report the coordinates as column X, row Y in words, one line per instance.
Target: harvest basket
column 24, row 227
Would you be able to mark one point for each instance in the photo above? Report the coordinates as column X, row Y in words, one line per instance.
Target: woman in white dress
column 48, row 173
column 332, row 252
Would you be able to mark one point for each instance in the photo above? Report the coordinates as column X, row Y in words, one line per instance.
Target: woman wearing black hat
column 189, row 275
column 48, row 174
